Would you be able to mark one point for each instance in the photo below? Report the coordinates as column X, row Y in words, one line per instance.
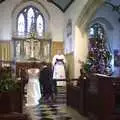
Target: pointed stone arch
column 81, row 39
column 37, row 5
column 88, row 12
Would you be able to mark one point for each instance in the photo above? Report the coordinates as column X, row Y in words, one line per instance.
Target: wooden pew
column 76, row 96
column 97, row 96
column 102, row 97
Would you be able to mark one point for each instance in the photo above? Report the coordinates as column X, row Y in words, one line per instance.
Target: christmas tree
column 99, row 57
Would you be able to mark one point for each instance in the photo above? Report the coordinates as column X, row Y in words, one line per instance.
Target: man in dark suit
column 46, row 81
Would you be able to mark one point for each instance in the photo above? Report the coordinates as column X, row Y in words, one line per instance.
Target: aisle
column 56, row 110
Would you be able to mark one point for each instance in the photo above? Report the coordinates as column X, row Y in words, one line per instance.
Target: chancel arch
column 81, row 37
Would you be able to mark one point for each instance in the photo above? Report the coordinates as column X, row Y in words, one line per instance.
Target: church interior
column 87, row 34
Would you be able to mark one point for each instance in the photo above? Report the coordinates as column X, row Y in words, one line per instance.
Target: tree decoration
column 99, row 57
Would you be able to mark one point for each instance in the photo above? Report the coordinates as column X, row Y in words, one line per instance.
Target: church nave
column 57, row 110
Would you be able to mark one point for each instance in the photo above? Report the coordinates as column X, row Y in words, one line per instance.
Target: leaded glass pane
column 40, row 25
column 96, row 31
column 21, row 24
column 91, row 31
column 30, row 20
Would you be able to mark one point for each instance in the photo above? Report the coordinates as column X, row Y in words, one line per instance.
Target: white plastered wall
column 9, row 8
column 80, row 12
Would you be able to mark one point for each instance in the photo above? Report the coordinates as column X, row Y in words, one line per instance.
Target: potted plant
column 8, row 89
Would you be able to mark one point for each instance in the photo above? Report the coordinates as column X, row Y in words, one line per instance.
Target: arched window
column 30, row 20
column 96, row 31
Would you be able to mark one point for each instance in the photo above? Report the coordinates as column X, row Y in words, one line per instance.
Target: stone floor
column 55, row 110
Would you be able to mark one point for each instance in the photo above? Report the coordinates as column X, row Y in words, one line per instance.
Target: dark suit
column 46, row 81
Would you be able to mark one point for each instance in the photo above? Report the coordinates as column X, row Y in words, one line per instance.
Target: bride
column 33, row 87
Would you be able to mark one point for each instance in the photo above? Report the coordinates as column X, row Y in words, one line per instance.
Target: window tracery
column 30, row 20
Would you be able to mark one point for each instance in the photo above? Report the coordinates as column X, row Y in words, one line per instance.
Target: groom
column 46, row 80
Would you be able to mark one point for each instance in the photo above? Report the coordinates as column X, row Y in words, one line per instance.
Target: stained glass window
column 21, row 24
column 39, row 25
column 30, row 20
column 96, row 31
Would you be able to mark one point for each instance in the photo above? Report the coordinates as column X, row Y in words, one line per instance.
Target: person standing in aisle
column 58, row 63
column 46, row 80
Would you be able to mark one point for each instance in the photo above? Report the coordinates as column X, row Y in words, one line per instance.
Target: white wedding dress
column 33, row 87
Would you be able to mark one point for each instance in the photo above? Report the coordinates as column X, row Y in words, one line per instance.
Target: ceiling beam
column 2, row 1
column 60, row 7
